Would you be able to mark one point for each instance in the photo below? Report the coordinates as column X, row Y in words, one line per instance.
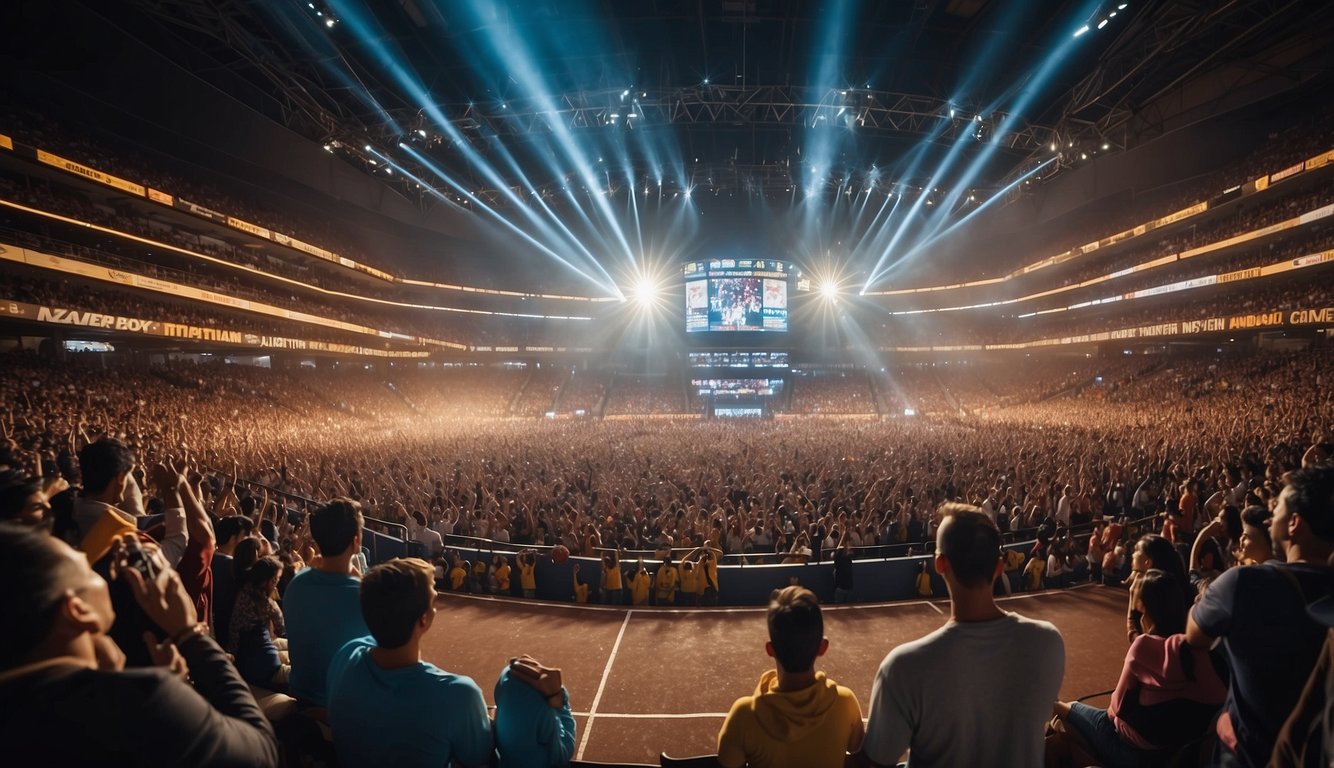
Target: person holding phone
column 67, row 695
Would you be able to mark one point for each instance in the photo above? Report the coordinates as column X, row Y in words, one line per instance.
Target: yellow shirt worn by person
column 924, row 584
column 690, row 581
column 639, row 588
column 457, row 575
column 809, row 728
column 1033, row 573
column 611, row 578
column 503, row 579
column 527, row 577
column 666, row 586
column 581, row 593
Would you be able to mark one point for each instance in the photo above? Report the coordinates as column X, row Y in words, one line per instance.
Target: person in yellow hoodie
column 664, row 587
column 797, row 716
column 639, row 584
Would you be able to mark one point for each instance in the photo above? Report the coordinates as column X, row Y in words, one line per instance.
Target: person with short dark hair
column 22, row 500
column 797, row 716
column 979, row 690
column 67, row 698
column 1261, row 610
column 230, row 531
column 322, row 603
column 386, row 705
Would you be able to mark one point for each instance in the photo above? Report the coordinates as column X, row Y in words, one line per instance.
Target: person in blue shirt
column 386, row 705
column 322, row 604
column 534, row 725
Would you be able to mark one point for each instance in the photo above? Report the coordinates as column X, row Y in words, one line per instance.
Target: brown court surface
column 642, row 681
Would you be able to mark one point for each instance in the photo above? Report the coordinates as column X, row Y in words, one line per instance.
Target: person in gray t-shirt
column 979, row 690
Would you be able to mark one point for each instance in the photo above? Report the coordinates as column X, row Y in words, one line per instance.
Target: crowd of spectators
column 646, row 395
column 832, row 392
column 1184, row 446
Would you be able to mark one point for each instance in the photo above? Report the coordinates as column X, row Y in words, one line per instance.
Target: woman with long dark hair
column 1166, row 697
column 257, row 626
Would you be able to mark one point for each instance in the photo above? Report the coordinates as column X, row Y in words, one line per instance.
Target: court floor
column 647, row 680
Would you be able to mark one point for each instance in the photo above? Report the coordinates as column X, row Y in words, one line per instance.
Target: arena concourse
column 587, row 345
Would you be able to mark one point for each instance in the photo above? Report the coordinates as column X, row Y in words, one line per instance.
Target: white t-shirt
column 975, row 693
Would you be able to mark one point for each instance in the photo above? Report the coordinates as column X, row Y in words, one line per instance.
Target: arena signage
column 1286, row 173
column 145, row 327
column 92, row 174
column 201, row 211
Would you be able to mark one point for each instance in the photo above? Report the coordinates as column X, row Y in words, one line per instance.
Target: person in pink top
column 1166, row 697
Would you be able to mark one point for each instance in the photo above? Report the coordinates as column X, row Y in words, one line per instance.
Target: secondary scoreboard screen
column 736, row 295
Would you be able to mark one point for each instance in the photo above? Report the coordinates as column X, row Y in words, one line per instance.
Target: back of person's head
column 394, row 595
column 1161, row 552
column 1161, row 595
column 796, row 628
column 37, row 576
column 970, row 541
column 232, row 526
column 335, row 525
column 245, row 555
column 101, row 461
column 1309, row 492
column 261, row 572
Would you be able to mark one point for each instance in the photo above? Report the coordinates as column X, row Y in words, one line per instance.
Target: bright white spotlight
column 829, row 290
column 1081, row 30
column 644, row 291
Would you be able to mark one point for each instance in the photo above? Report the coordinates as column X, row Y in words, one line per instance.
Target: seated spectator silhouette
column 386, row 705
column 979, row 690
column 257, row 626
column 534, row 725
column 1261, row 610
column 322, row 604
column 797, row 716
column 1166, row 697
column 68, row 699
column 230, row 531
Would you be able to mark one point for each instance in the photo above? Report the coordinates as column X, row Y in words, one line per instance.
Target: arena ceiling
column 595, row 132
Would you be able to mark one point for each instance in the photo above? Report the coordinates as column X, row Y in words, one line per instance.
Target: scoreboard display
column 736, row 295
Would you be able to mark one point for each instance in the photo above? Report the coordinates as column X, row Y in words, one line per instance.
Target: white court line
column 597, row 697
column 933, row 605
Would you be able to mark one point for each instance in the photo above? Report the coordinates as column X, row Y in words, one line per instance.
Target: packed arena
column 904, row 384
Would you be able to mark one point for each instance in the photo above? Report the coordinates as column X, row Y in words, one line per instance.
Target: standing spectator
column 1272, row 643
column 534, row 725
column 843, row 571
column 386, row 705
column 611, row 577
column 1010, row 667
column 923, row 582
column 322, row 603
column 578, row 585
column 640, row 584
column 68, row 699
column 500, row 574
column 797, row 716
column 664, row 583
column 527, row 560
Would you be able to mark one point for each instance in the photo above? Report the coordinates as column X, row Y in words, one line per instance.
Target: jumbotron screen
column 736, row 295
